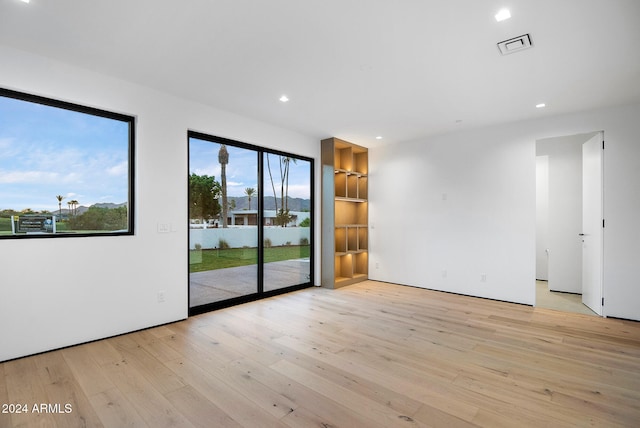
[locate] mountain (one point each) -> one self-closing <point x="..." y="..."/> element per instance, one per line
<point x="109" y="205"/>
<point x="82" y="209"/>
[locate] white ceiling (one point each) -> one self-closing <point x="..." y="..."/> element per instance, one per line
<point x="354" y="69"/>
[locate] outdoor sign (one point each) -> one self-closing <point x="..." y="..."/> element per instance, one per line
<point x="33" y="224"/>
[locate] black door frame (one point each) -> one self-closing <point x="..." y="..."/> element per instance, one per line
<point x="260" y="293"/>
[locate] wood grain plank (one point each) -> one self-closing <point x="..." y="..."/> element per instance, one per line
<point x="65" y="397"/>
<point x="200" y="411"/>
<point x="223" y="396"/>
<point x="367" y="408"/>
<point x="148" y="402"/>
<point x="115" y="410"/>
<point x="86" y="370"/>
<point x="25" y="388"/>
<point x="326" y="412"/>
<point x="5" y="417"/>
<point x="370" y="354"/>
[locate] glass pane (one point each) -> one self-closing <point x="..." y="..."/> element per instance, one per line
<point x="223" y="232"/>
<point x="287" y="221"/>
<point x="64" y="169"/>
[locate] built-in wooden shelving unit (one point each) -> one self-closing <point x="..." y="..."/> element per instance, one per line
<point x="345" y="215"/>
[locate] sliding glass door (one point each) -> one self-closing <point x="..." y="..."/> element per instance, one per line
<point x="287" y="221"/>
<point x="250" y="222"/>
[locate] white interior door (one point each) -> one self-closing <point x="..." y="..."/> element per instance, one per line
<point x="592" y="223"/>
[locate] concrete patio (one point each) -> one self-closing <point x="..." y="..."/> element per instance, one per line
<point x="222" y="284"/>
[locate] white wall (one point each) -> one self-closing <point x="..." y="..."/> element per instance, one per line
<point x="542" y="218"/>
<point x="564" y="210"/>
<point x="486" y="225"/>
<point x="455" y="213"/>
<point x="246" y="236"/>
<point x="58" y="292"/>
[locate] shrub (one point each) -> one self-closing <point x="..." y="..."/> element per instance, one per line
<point x="304" y="241"/>
<point x="305" y="223"/>
<point x="222" y="244"/>
<point x="267" y="243"/>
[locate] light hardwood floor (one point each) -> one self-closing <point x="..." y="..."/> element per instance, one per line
<point x="367" y="355"/>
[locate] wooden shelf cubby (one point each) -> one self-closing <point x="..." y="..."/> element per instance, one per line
<point x="345" y="215"/>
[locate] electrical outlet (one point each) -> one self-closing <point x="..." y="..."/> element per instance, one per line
<point x="161" y="296"/>
<point x="444" y="273"/>
<point x="377" y="265"/>
<point x="483" y="277"/>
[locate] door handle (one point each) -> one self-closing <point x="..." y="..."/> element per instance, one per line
<point x="581" y="234"/>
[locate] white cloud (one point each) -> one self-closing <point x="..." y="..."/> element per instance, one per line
<point x="71" y="177"/>
<point x="299" y="191"/>
<point x="119" y="170"/>
<point x="8" y="177"/>
<point x="5" y="143"/>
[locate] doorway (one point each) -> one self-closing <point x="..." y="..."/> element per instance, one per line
<point x="250" y="222"/>
<point x="568" y="198"/>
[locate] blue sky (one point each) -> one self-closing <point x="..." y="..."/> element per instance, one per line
<point x="47" y="151"/>
<point x="242" y="169"/>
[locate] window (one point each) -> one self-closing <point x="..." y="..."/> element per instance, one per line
<point x="65" y="169"/>
<point x="250" y="222"/>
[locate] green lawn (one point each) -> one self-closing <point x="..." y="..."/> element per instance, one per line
<point x="5" y="225"/>
<point x="232" y="257"/>
<point x="61" y="227"/>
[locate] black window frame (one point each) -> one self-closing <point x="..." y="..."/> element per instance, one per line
<point x="79" y="108"/>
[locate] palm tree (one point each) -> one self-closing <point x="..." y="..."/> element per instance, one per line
<point x="284" y="217"/>
<point x="223" y="158"/>
<point x="282" y="214"/>
<point x="74" y="206"/>
<point x="287" y="161"/>
<point x="249" y="191"/>
<point x="59" y="198"/>
<point x="275" y="198"/>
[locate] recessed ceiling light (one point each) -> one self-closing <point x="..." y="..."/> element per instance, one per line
<point x="284" y="98"/>
<point x="541" y="105"/>
<point x="379" y="137"/>
<point x="502" y="15"/>
<point x="25" y="1"/>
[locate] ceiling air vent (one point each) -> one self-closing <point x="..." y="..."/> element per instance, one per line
<point x="515" y="45"/>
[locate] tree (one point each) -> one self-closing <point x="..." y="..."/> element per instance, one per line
<point x="249" y="191"/>
<point x="286" y="161"/>
<point x="204" y="192"/>
<point x="74" y="206"/>
<point x="59" y="198"/>
<point x="283" y="216"/>
<point x="96" y="218"/>
<point x="273" y="187"/>
<point x="223" y="158"/>
<point x="305" y="223"/>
